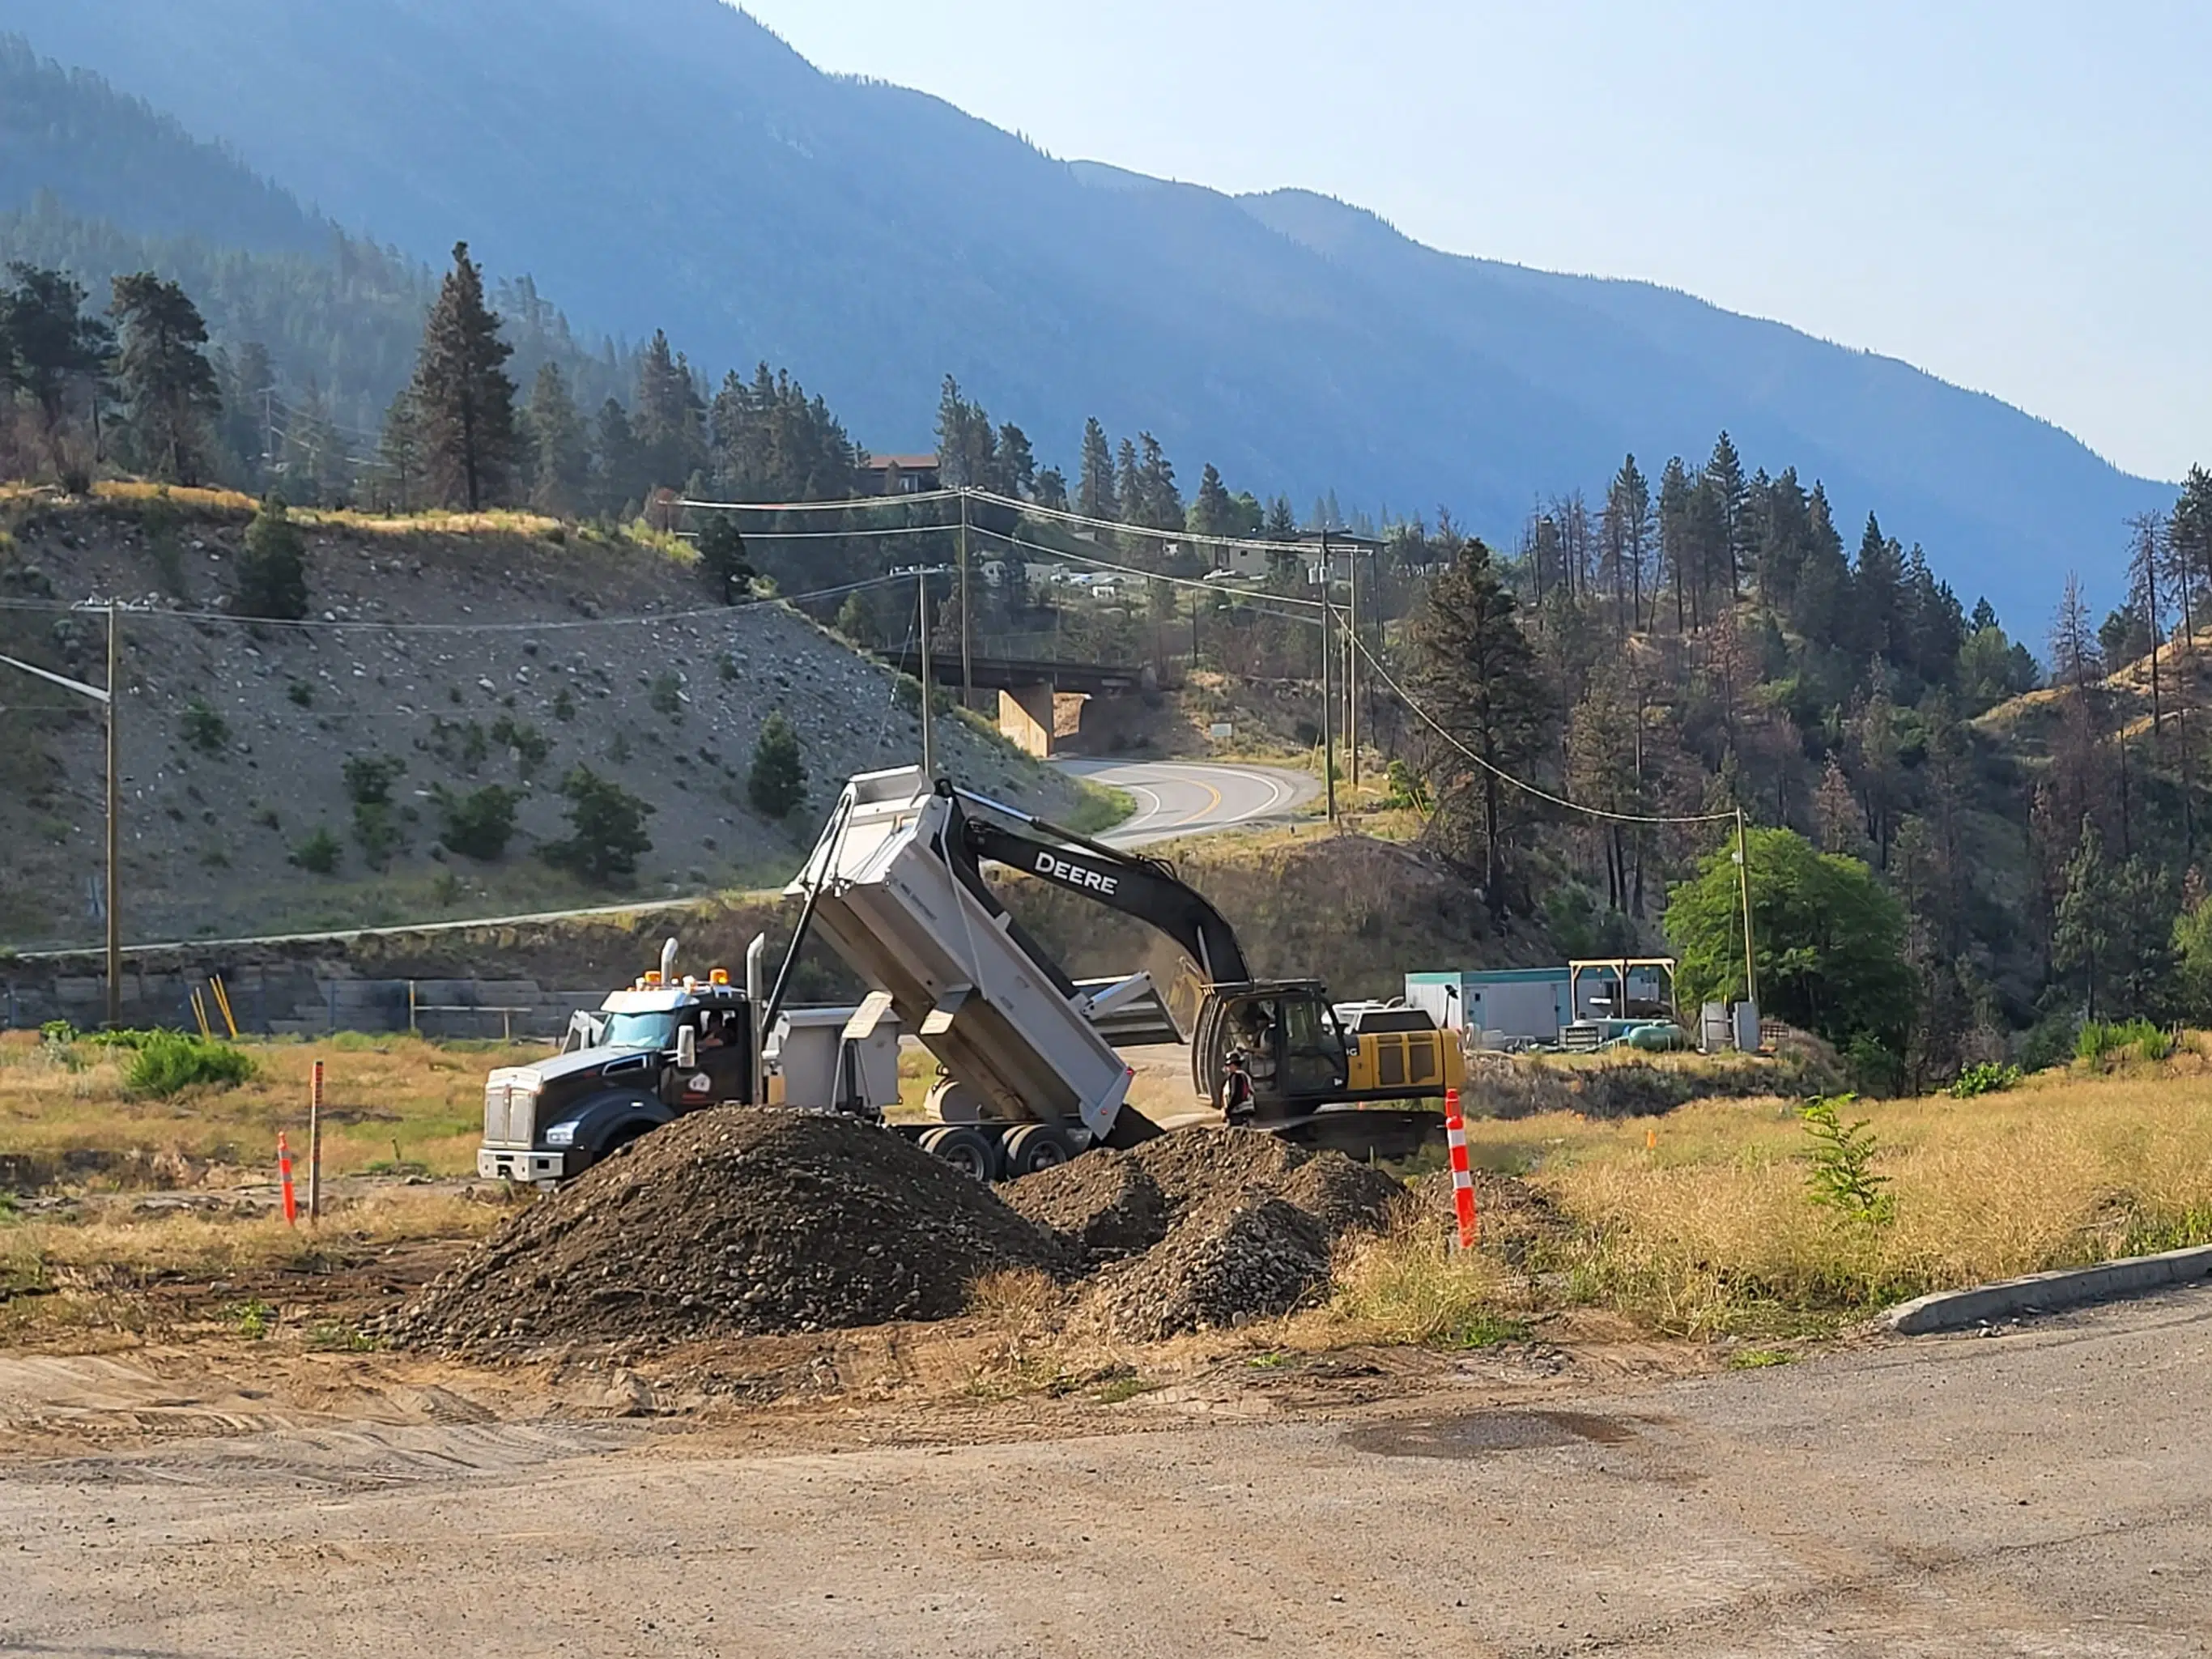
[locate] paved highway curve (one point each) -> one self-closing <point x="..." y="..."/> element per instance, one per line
<point x="1193" y="797"/>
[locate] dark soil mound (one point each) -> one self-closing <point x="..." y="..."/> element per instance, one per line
<point x="735" y="1222"/>
<point x="1207" y="1227"/>
<point x="1103" y="1206"/>
<point x="1235" y="1257"/>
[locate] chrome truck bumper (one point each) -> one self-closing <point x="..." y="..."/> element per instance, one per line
<point x="521" y="1163"/>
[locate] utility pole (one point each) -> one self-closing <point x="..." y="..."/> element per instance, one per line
<point x="1351" y="680"/>
<point x="928" y="749"/>
<point x="114" y="905"/>
<point x="1743" y="887"/>
<point x="1327" y="691"/>
<point x="967" y="659"/>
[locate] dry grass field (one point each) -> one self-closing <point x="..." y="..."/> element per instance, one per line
<point x="1700" y="1223"/>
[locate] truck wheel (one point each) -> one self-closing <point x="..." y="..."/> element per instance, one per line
<point x="1035" y="1147"/>
<point x="971" y="1150"/>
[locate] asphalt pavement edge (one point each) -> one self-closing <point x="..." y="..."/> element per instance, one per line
<point x="2008" y="1298"/>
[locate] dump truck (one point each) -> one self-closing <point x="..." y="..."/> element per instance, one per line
<point x="897" y="886"/>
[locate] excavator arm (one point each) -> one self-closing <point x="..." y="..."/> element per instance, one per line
<point x="1147" y="889"/>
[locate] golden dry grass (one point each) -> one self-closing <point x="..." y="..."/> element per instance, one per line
<point x="386" y="1098"/>
<point x="1701" y="1222"/>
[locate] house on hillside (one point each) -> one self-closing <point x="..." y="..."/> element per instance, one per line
<point x="900" y="475"/>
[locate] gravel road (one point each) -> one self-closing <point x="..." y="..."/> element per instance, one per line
<point x="2045" y="1491"/>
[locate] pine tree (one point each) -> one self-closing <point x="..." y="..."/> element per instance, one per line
<point x="615" y="487"/>
<point x="1628" y="530"/>
<point x="169" y="388"/>
<point x="2147" y="565"/>
<point x="1159" y="503"/>
<point x="465" y="401"/>
<point x="399" y="454"/>
<point x="2076" y="660"/>
<point x="1095" y="493"/>
<point x="1877" y="597"/>
<point x="1051" y="489"/>
<point x="1479" y="680"/>
<point x="1128" y="483"/>
<point x="1213" y="511"/>
<point x="58" y="351"/>
<point x="1731" y="498"/>
<point x="776" y="785"/>
<point x="272" y="575"/>
<point x="666" y="418"/>
<point x="561" y="467"/>
<point x="1675" y="538"/>
<point x="967" y="448"/>
<point x="1017" y="464"/>
<point x="722" y="563"/>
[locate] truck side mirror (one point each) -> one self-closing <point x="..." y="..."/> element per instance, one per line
<point x="687" y="1048"/>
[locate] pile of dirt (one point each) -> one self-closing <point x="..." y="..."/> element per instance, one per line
<point x="1202" y="1227"/>
<point x="735" y="1222"/>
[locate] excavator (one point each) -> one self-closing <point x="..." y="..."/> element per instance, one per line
<point x="897" y="884"/>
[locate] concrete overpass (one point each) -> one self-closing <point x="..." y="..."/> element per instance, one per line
<point x="1034" y="692"/>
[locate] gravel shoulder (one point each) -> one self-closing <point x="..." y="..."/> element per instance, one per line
<point x="2045" y="1489"/>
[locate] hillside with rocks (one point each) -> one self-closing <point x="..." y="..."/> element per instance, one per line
<point x="436" y="662"/>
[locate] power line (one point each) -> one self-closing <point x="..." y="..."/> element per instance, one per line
<point x="1438" y="726"/>
<point x="850" y="504"/>
<point x="1204" y="540"/>
<point x="1219" y="590"/>
<point x="728" y="613"/>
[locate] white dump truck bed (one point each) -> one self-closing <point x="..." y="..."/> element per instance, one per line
<point x="895" y="903"/>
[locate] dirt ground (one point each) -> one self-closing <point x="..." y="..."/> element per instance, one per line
<point x="2041" y="1491"/>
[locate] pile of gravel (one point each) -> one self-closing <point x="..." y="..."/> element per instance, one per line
<point x="1202" y="1227"/>
<point x="735" y="1222"/>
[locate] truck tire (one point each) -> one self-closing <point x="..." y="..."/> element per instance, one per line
<point x="1035" y="1147"/>
<point x="970" y="1149"/>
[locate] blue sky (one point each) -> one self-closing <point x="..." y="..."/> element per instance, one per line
<point x="2016" y="197"/>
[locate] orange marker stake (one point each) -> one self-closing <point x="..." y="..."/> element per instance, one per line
<point x="1470" y="1224"/>
<point x="284" y="1174"/>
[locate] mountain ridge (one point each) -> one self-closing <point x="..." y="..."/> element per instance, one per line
<point x="672" y="162"/>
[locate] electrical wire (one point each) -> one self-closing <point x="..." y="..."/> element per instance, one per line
<point x="1218" y="589"/>
<point x="1526" y="788"/>
<point x="1061" y="514"/>
<point x="851" y="504"/>
<point x="306" y="624"/>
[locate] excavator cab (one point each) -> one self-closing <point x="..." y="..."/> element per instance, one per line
<point x="1301" y="1057"/>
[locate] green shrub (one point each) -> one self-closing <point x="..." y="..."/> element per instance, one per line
<point x="369" y="778"/>
<point x="1989" y="1077"/>
<point x="318" y="854"/>
<point x="203" y="728"/>
<point x="478" y="825"/>
<point x="302" y="692"/>
<point x="2098" y="1040"/>
<point x="1842" y="1174"/>
<point x="607" y="828"/>
<point x="530" y="745"/>
<point x="169" y="1062"/>
<point x="667" y="695"/>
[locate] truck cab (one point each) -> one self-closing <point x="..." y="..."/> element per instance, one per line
<point x="648" y="1055"/>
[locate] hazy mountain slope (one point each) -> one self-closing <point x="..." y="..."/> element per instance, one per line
<point x="112" y="157"/>
<point x="670" y="162"/>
